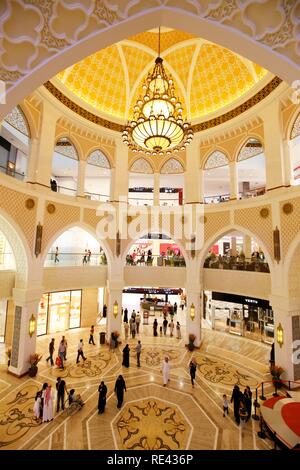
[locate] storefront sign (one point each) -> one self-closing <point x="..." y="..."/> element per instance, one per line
<point x="239" y="299"/>
<point x="141" y="290"/>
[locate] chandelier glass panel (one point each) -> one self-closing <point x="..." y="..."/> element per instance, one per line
<point x="158" y="127"/>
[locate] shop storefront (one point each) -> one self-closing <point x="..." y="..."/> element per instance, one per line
<point x="239" y="315"/>
<point x="3" y="314"/>
<point x="59" y="311"/>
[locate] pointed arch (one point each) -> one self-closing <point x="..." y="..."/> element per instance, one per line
<point x="98" y="158"/>
<point x="251" y="147"/>
<point x="87" y="228"/>
<point x="216" y="159"/>
<point x="141" y="165"/>
<point x="235" y="228"/>
<point x="172" y="166"/>
<point x="65" y="146"/>
<point x="17" y="119"/>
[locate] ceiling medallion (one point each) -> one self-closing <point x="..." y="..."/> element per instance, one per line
<point x="264" y="213"/>
<point x="157" y="126"/>
<point x="51" y="208"/>
<point x="29" y="203"/>
<point x="288" y="208"/>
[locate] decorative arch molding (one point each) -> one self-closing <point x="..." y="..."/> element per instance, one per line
<point x="243" y="152"/>
<point x="17" y="118"/>
<point x="98" y="158"/>
<point x="291" y="262"/>
<point x="216" y="159"/>
<point x="19" y="247"/>
<point x="295" y="128"/>
<point x="225" y="231"/>
<point x="141" y="165"/>
<point x="66" y="150"/>
<point x="172" y="166"/>
<point x="87" y="228"/>
<point x="242" y="27"/>
<point x="164" y="232"/>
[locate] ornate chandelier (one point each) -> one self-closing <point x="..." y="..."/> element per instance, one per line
<point x="157" y="127"/>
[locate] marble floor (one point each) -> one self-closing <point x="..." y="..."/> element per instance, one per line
<point x="154" y="417"/>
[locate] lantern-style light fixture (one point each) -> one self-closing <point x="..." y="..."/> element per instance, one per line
<point x="115" y="309"/>
<point x="32" y="325"/>
<point x="158" y="126"/>
<point x="279" y="332"/>
<point x="192" y="311"/>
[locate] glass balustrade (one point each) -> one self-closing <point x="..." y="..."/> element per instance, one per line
<point x="237" y="263"/>
<point x="155" y="260"/>
<point x="75" y="259"/>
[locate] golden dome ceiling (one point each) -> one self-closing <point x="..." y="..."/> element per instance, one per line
<point x="207" y="77"/>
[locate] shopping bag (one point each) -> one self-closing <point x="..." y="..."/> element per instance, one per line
<point x="58" y="361"/>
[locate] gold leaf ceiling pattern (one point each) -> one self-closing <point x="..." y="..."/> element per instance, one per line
<point x="110" y="80"/>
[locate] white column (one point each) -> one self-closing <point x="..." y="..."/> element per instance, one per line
<point x="234" y="185"/>
<point x="288" y="162"/>
<point x="193" y="176"/>
<point x="287" y="314"/>
<point x="81" y="177"/>
<point x="114" y="323"/>
<point x="119" y="183"/>
<point x="193" y="296"/>
<point x="112" y="184"/>
<point x="42" y="150"/>
<point x="156" y="188"/>
<point x="247" y="246"/>
<point x="273" y="146"/>
<point x="233" y="246"/>
<point x="23" y="345"/>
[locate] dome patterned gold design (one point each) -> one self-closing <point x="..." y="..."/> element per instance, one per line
<point x="109" y="79"/>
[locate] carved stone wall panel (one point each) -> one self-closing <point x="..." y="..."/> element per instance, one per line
<point x="290" y="224"/>
<point x="64" y="216"/>
<point x="261" y="227"/>
<point x="14" y="203"/>
<point x="16" y="336"/>
<point x="215" y="222"/>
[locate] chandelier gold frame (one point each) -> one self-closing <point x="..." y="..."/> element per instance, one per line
<point x="157" y="127"/>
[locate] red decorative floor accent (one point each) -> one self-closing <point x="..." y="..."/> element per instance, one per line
<point x="291" y="415"/>
<point x="271" y="401"/>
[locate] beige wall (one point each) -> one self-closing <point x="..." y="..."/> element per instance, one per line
<point x="89" y="307"/>
<point x="74" y="277"/>
<point x="7" y="282"/>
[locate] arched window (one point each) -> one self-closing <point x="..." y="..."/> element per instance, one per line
<point x="216" y="178"/>
<point x="141" y="183"/>
<point x="171" y="183"/>
<point x="295" y="149"/>
<point x="97" y="176"/>
<point x="155" y="249"/>
<point x="251" y="169"/>
<point x="14" y="144"/>
<point x="65" y="167"/>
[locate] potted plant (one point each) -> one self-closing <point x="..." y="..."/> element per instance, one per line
<point x="276" y="372"/>
<point x="191" y="345"/>
<point x="34" y="360"/>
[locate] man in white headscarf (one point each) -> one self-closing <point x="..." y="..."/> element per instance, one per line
<point x="166" y="370"/>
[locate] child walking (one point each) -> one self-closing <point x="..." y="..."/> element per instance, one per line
<point x="225" y="405"/>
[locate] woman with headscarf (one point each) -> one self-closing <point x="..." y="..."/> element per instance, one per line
<point x="193" y="368"/>
<point x="126" y="352"/>
<point x="102" y="397"/>
<point x="120" y="386"/>
<point x="166" y="370"/>
<point x="48" y="405"/>
<point x="155" y="325"/>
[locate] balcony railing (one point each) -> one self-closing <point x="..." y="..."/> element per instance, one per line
<point x="96" y="197"/>
<point x="237" y="263"/>
<point x="226" y="197"/>
<point x="13" y="173"/>
<point x="75" y="259"/>
<point x="155" y="260"/>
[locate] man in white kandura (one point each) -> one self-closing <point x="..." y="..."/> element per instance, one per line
<point x="166" y="370"/>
